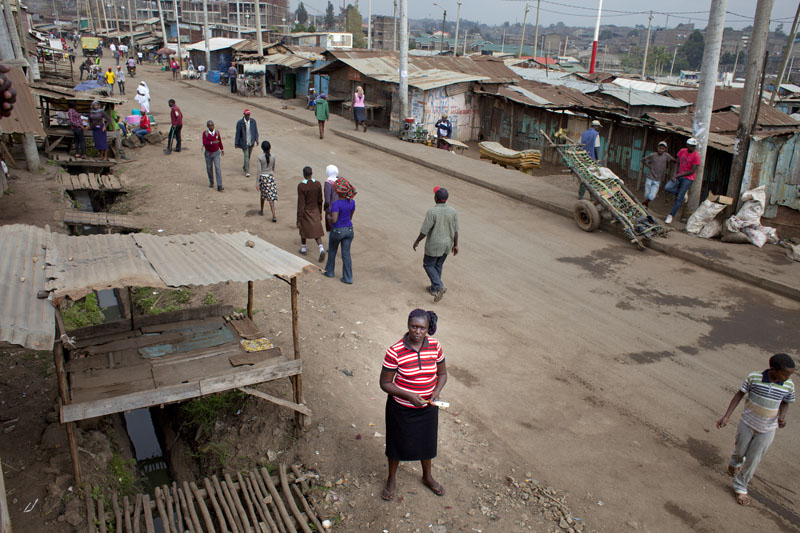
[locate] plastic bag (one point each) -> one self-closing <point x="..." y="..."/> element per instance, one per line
<point x="756" y="237"/>
<point x="745" y="225"/>
<point x="711" y="230"/>
<point x="703" y="215"/>
<point x="753" y="204"/>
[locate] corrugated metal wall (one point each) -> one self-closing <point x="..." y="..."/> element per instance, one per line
<point x="775" y="162"/>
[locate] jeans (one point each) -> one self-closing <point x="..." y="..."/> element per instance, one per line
<point x="141" y="132"/>
<point x="343" y="236"/>
<point x="650" y="189"/>
<point x="121" y="87"/>
<point x="80" y="141"/>
<point x="433" y="267"/>
<point x="246" y="151"/>
<point x="213" y="162"/>
<point x="233" y="85"/>
<point x="174" y="133"/>
<point x="747" y="453"/>
<point x="683" y="185"/>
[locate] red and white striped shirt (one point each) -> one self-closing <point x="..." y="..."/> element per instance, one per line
<point x="415" y="371"/>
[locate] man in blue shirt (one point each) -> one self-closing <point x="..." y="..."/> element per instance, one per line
<point x="590" y="141"/>
<point x="444" y="129"/>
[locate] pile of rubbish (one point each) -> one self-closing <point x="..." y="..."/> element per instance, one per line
<point x="743" y="227"/>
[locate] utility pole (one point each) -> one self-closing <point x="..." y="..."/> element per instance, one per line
<point x="536" y="31"/>
<point x="503" y="43"/>
<point x="705" y="94"/>
<point x="78" y="14"/>
<point x="130" y="25"/>
<point x="786" y="54"/>
<point x="99" y="13"/>
<point x="116" y="16"/>
<point x="403" y="89"/>
<point x="444" y="21"/>
<point x="466" y="36"/>
<point x="755" y="57"/>
<point x="208" y="35"/>
<point x="522" y="38"/>
<point x="178" y="32"/>
<point x="394" y="20"/>
<point x="10" y="48"/>
<point x="566" y="40"/>
<point x="369" y="25"/>
<point x="258" y="29"/>
<point x="596" y="36"/>
<point x="458" y="20"/>
<point x="238" y="19"/>
<point x="105" y="17"/>
<point x="674" y="55"/>
<point x="163" y="27"/>
<point x="647" y="45"/>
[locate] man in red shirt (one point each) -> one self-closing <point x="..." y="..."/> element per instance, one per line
<point x="176" y="120"/>
<point x="212" y="149"/>
<point x="681" y="182"/>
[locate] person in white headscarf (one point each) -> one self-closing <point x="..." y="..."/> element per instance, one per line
<point x="330" y="196"/>
<point x="143" y="96"/>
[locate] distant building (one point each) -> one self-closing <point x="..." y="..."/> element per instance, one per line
<point x="383" y="33"/>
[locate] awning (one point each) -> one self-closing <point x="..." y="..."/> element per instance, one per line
<point x="24" y="117"/>
<point x="72" y="267"/>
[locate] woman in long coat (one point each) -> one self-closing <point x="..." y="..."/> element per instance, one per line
<point x="309" y="212"/>
<point x="99" y="121"/>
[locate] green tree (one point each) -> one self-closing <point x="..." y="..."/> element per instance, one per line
<point x="691" y="51"/>
<point x="353" y="25"/>
<point x="311" y="28"/>
<point x="300" y="14"/>
<point x="299" y="28"/>
<point x="330" y="18"/>
<point x="606" y="35"/>
<point x="728" y="58"/>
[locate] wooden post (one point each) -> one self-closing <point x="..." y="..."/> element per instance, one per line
<point x="130" y="302"/>
<point x="297" y="380"/>
<point x="250" y="300"/>
<point x="5" y="520"/>
<point x="58" y="355"/>
<point x="608" y="143"/>
<point x="641" y="163"/>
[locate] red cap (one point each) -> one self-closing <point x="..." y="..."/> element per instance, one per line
<point x="436" y="189"/>
<point x="246" y="111"/>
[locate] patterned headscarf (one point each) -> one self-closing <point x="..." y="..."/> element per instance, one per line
<point x="430" y="315"/>
<point x="344" y="188"/>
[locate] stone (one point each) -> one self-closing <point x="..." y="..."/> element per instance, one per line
<point x="563" y="524"/>
<point x="439" y="529"/>
<point x="73" y="518"/>
<point x="633" y="524"/>
<point x="154" y="137"/>
<point x="250" y="244"/>
<point x="53" y="437"/>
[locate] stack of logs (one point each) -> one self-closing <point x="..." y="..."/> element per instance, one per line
<point x="253" y="502"/>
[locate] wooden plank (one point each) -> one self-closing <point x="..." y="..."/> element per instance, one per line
<point x="107" y="377"/>
<point x="150" y="320"/>
<point x="89" y="508"/>
<point x="246" y="328"/>
<point x="159" y="328"/>
<point x="84" y="181"/>
<point x="75" y="182"/>
<point x="179" y="359"/>
<point x="178" y="515"/>
<point x="170" y="511"/>
<point x="117" y="512"/>
<point x="309" y="512"/>
<point x="102" y="339"/>
<point x="285" y="403"/>
<point x="95" y="182"/>
<point x="287" y="493"/>
<point x="185" y="509"/>
<point x="259" y="505"/>
<point x="251" y="358"/>
<point x="101" y="515"/>
<point x="202" y="506"/>
<point x="215" y="504"/>
<point x="90" y="394"/>
<point x="114" y="182"/>
<point x="135" y="343"/>
<point x="148" y="514"/>
<point x="137" y="523"/>
<point x="127" y="510"/>
<point x="257" y="374"/>
<point x="275" y="518"/>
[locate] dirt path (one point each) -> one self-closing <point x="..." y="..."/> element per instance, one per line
<point x="574" y="359"/>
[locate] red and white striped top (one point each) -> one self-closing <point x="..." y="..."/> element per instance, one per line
<point x="415" y="372"/>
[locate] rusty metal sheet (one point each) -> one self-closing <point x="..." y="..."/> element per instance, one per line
<point x="24" y="117"/>
<point x="25" y="320"/>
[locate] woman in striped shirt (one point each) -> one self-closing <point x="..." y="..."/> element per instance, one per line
<point x="413" y="375"/>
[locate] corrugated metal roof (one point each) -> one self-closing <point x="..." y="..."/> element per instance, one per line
<point x="24" y="118"/>
<point x="533" y="97"/>
<point x="55" y="92"/>
<point x="540" y="74"/>
<point x="642" y="98"/>
<point x="639" y="85"/>
<point x="722" y="97"/>
<point x="75" y="266"/>
<point x="286" y="60"/>
<point x="728" y="121"/>
<point x="25" y="320"/>
<point x="214" y="44"/>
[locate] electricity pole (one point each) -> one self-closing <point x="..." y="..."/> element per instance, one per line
<point x="786" y="54"/>
<point x="163" y="27"/>
<point x="750" y="95"/>
<point x="403" y="89"/>
<point x="116" y="16"/>
<point x="444" y="21"/>
<point x="130" y="24"/>
<point x="522" y="38"/>
<point x="208" y="34"/>
<point x="258" y="29"/>
<point x="178" y="32"/>
<point x="705" y="94"/>
<point x="596" y="36"/>
<point x="647" y="45"/>
<point x="394" y="17"/>
<point x="238" y="20"/>
<point x="458" y="20"/>
<point x="369" y="25"/>
<point x="536" y="32"/>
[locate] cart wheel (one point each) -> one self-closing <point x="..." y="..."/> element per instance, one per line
<point x="586" y="215"/>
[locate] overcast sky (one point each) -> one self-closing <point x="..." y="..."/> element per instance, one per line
<point x="575" y="12"/>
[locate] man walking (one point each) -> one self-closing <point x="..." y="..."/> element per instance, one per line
<point x="232" y="73"/>
<point x="440" y="231"/>
<point x="590" y="141"/>
<point x="111" y="78"/>
<point x="176" y="124"/>
<point x="656" y="171"/>
<point x="322" y="113"/>
<point x="246" y="137"/>
<point x="212" y="149"/>
<point x="681" y="182"/>
<point x="120" y="80"/>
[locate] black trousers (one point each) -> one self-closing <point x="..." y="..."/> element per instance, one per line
<point x="79" y="141"/>
<point x="174" y="133"/>
<point x="233" y="85"/>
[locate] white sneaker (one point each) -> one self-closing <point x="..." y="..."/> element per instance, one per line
<point x="247" y="175"/>
<point x="668" y="220"/>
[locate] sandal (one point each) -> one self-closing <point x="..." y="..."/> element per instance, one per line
<point x="436" y="489"/>
<point x="387" y="495"/>
<point x="742" y="499"/>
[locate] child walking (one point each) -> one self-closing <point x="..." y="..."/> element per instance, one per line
<point x="769" y="394"/>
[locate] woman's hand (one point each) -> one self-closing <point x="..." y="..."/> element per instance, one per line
<point x="417" y="400"/>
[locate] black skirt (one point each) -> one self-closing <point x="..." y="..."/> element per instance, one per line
<point x="411" y="434"/>
<point x="359" y="114"/>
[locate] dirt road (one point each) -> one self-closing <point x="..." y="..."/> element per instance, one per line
<point x="599" y="369"/>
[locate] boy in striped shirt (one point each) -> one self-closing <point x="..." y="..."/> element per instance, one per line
<point x="769" y="394"/>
